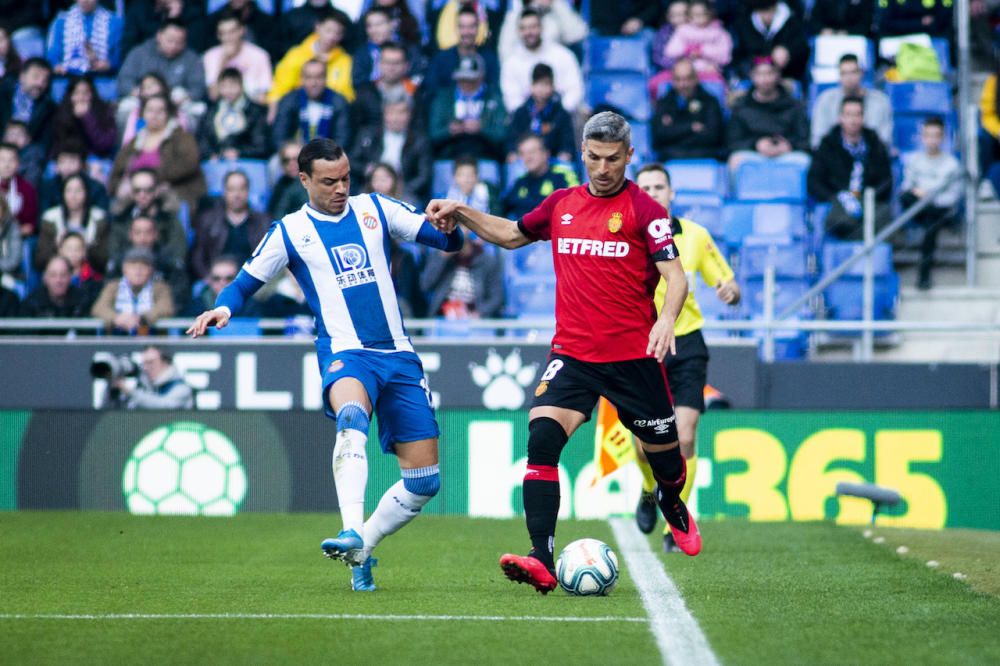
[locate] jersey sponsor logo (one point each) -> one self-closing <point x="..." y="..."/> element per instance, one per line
<point x="567" y="218"/>
<point x="659" y="229"/>
<point x="352" y="266"/>
<point x="335" y="366"/>
<point x="593" y="248"/>
<point x="615" y="223"/>
<point x="659" y="426"/>
<point x="369" y="220"/>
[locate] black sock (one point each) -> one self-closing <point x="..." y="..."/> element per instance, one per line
<point x="541" y="509"/>
<point x="669" y="471"/>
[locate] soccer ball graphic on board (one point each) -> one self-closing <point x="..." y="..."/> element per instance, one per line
<point x="184" y="468"/>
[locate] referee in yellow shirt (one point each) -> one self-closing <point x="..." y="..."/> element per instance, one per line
<point x="688" y="368"/>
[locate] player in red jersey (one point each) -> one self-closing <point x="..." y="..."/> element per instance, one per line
<point x="611" y="244"/>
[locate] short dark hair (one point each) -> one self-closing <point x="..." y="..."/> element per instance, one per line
<point x="229" y="14"/>
<point x="141" y="216"/>
<point x="165" y="356"/>
<point x="172" y="23"/>
<point x="147" y="171"/>
<point x="331" y="14"/>
<point x="757" y="5"/>
<point x="530" y="11"/>
<point x="376" y="9"/>
<point x="74" y="147"/>
<point x="9" y="146"/>
<point x="318" y="149"/>
<point x="394" y="46"/>
<point x="235" y="172"/>
<point x="169" y="103"/>
<point x="653" y="167"/>
<point x="466" y="160"/>
<point x="231" y="73"/>
<point x="849" y="57"/>
<point x="531" y="136"/>
<point x="36" y="61"/>
<point x="542" y="72"/>
<point x="934" y="121"/>
<point x="852" y="99"/>
<point x="467" y="10"/>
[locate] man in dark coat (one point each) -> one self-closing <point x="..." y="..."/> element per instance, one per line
<point x="687" y="121"/>
<point x="231" y="228"/>
<point x="771" y="30"/>
<point x="400" y="143"/>
<point x="312" y="111"/>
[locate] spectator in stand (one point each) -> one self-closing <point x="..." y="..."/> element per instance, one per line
<point x="384" y="180"/>
<point x="906" y="17"/>
<point x="85" y="38"/>
<point x="234" y="127"/>
<point x="625" y="17"/>
<point x="136" y="301"/>
<point x="767" y="122"/>
<point x="539" y="180"/>
<point x="850" y="159"/>
<point x="145" y="195"/>
<point x="467" y="284"/>
<point x="28" y="101"/>
<point x="130" y="120"/>
<point x="10" y="60"/>
<point x="443" y="24"/>
<point x="703" y="41"/>
<point x="400" y="143"/>
<point x="515" y="70"/>
<point x="467" y="188"/>
<point x="83" y="116"/>
<point x="312" y="111"/>
<point x="167" y="266"/>
<point x="561" y="24"/>
<point x="70" y="161"/>
<point x="444" y="63"/>
<point x="85" y="277"/>
<point x="145" y="18"/>
<point x="258" y="29"/>
<point x="677" y="15"/>
<point x="229" y="227"/>
<point x="74" y="213"/>
<point x="288" y="194"/>
<point x="393" y="82"/>
<point x="924" y="172"/>
<point x="234" y="51"/>
<point x="11" y="245"/>
<point x="299" y="23"/>
<point x="167" y="55"/>
<point x="166" y="148"/>
<point x="22" y="199"/>
<point x="56" y="297"/>
<point x="324" y="46"/>
<point x="221" y="274"/>
<point x="851" y="17"/>
<point x="687" y="121"/>
<point x="32" y="161"/>
<point x="771" y="30"/>
<point x="826" y="108"/>
<point x="380" y="30"/>
<point x="470" y="117"/>
<point x="544" y="115"/>
<point x="406" y="28"/>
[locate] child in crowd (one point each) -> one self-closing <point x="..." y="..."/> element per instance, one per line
<point x="703" y="40"/>
<point x="677" y="15"/>
<point x="467" y="188"/>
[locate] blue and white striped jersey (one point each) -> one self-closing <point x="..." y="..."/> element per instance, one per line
<point x="342" y="264"/>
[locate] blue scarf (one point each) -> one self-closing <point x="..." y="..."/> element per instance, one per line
<point x="76" y="40"/>
<point x="540" y="116"/>
<point x="857" y="152"/>
<point x="23" y="105"/>
<point x="469" y="107"/>
<point x="307" y="131"/>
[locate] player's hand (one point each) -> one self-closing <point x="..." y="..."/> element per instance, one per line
<point x="661" y="339"/>
<point x="218" y="318"/>
<point x="727" y="292"/>
<point x="440" y="213"/>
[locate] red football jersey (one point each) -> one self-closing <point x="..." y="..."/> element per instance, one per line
<point x="605" y="251"/>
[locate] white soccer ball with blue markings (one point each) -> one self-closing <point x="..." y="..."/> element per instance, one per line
<point x="587" y="567"/>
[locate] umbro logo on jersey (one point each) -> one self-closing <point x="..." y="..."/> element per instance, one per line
<point x="567" y="218"/>
<point x="593" y="248"/>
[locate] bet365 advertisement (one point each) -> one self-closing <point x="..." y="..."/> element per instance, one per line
<point x="756" y="465"/>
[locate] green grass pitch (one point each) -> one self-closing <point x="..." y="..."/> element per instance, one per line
<point x="763" y="593"/>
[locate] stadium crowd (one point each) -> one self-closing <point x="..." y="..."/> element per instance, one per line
<point x="148" y="144"/>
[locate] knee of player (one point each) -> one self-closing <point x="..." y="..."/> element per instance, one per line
<point x="353" y="416"/>
<point x="546" y="439"/>
<point x="424" y="481"/>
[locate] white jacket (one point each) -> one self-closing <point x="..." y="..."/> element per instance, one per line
<point x="515" y="74"/>
<point x="561" y="24"/>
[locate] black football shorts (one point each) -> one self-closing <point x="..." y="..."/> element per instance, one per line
<point x="687" y="371"/>
<point x="637" y="388"/>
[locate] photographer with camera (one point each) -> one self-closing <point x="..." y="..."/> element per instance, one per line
<point x="158" y="385"/>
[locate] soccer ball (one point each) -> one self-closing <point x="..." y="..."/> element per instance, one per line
<point x="587" y="567"/>
<point x="184" y="468"/>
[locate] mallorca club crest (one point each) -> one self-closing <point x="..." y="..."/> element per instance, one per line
<point x="369" y="220"/>
<point x="615" y="223"/>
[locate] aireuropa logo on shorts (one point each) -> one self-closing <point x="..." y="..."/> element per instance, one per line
<point x="659" y="426"/>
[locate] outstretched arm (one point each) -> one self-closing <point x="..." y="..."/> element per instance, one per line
<point x="445" y="214"/>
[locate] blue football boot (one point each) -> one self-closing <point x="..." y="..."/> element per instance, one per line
<point x="347" y="546"/>
<point x="361" y="576"/>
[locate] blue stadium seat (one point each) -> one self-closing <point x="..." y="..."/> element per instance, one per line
<point x="920" y="97"/>
<point x="787" y="256"/>
<point x="742" y="219"/>
<point x="786" y="292"/>
<point x="106" y="87"/>
<point x="532" y="259"/>
<point x="703" y="208"/>
<point x="641" y="142"/>
<point x="837" y="252"/>
<point x="625" y="91"/>
<point x="816" y="89"/>
<point x="844" y="298"/>
<point x="698" y="176"/>
<point x="531" y="296"/>
<point x="29" y="44"/>
<point x="943" y="49"/>
<point x="489" y="172"/>
<point x="770" y="181"/>
<point x="906" y="131"/>
<point x="256" y="171"/>
<point x="616" y="53"/>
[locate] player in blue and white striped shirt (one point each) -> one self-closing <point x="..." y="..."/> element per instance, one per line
<point x="337" y="247"/>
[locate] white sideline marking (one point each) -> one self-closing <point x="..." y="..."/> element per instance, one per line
<point x="310" y="616"/>
<point x="677" y="633"/>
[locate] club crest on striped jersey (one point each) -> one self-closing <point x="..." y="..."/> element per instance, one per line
<point x="352" y="265"/>
<point x="369" y="220"/>
<point x="615" y="223"/>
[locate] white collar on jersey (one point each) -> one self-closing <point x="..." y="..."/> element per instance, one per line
<point x="323" y="217"/>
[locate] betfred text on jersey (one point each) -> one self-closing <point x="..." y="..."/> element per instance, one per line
<point x="594" y="248"/>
